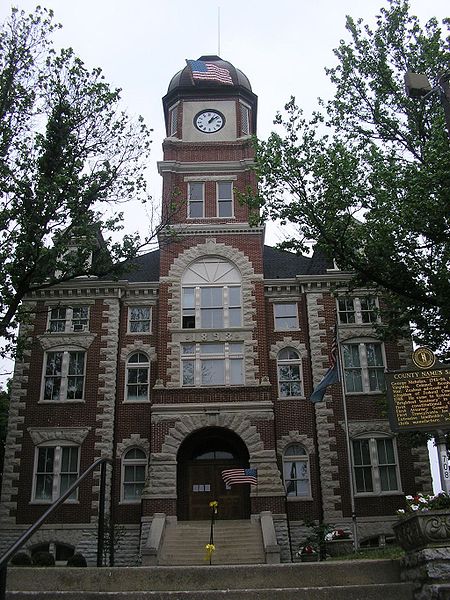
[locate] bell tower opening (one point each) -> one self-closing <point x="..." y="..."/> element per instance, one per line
<point x="201" y="459"/>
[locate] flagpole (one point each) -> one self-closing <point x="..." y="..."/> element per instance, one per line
<point x="347" y="439"/>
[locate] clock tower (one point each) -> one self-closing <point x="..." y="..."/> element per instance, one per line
<point x="212" y="391"/>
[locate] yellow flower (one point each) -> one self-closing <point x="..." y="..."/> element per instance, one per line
<point x="209" y="550"/>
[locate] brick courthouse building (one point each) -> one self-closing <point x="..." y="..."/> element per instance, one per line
<point x="203" y="358"/>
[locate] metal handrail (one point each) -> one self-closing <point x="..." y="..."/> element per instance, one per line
<point x="37" y="524"/>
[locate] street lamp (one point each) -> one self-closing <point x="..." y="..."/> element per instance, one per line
<point x="418" y="86"/>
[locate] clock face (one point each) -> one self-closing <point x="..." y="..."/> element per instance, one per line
<point x="209" y="121"/>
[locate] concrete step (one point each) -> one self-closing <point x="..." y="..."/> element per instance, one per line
<point x="236" y="542"/>
<point x="388" y="591"/>
<point x="206" y="578"/>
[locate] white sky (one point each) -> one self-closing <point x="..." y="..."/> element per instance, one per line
<point x="281" y="46"/>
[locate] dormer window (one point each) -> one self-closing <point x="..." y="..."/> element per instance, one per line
<point x="66" y="319"/>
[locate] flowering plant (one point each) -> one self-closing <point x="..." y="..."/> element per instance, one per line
<point x="307" y="549"/>
<point x="424" y="502"/>
<point x="337" y="534"/>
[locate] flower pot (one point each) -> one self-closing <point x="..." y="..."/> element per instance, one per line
<point x="424" y="529"/>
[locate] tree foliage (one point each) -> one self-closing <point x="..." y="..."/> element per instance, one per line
<point x="67" y="151"/>
<point x="368" y="176"/>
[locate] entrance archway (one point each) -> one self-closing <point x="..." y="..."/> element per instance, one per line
<point x="201" y="459"/>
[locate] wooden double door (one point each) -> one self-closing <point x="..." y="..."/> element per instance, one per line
<point x="201" y="459"/>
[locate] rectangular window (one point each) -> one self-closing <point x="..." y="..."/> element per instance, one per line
<point x="196" y="200"/>
<point x="56" y="469"/>
<point x="375" y="465"/>
<point x="211" y="307"/>
<point x="359" y="311"/>
<point x="363" y="367"/>
<point x="65" y="319"/>
<point x="224" y="199"/>
<point x="211" y="364"/>
<point x="64" y="376"/>
<point x="139" y="319"/>
<point x="245" y="119"/>
<point x="285" y="316"/>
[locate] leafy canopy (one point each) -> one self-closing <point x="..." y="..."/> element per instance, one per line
<point x="368" y="176"/>
<point x="67" y="151"/>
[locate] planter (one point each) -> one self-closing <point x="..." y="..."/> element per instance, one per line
<point x="340" y="547"/>
<point x="424" y="529"/>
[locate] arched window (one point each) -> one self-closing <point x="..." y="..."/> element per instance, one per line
<point x="289" y="373"/>
<point x="296" y="471"/>
<point x="134" y="472"/>
<point x="211" y="295"/>
<point x="137" y="385"/>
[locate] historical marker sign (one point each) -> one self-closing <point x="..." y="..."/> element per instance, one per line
<point x="419" y="399"/>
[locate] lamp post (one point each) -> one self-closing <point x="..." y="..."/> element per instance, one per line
<point x="418" y="86"/>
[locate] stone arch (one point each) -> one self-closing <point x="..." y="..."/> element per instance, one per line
<point x="163" y="465"/>
<point x="294" y="437"/>
<point x="288" y="342"/>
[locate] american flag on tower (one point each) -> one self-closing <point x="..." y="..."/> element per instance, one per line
<point x="202" y="70"/>
<point x="235" y="476"/>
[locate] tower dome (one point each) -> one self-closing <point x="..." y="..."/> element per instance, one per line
<point x="184" y="79"/>
<point x="184" y="85"/>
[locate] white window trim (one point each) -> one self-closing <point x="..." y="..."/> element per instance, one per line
<point x="58" y="445"/>
<point x="134" y="461"/>
<point x="298" y="458"/>
<point x="363" y="364"/>
<point x="137" y="366"/>
<point x="64" y="376"/>
<point x="284" y="361"/>
<point x="376" y="480"/>
<point x="296" y="328"/>
<point x="129" y="309"/>
<point x="358" y="311"/>
<point x="197" y="357"/>
<point x="231" y="199"/>
<point x="68" y="325"/>
<point x="172" y="131"/>
<point x="195" y="201"/>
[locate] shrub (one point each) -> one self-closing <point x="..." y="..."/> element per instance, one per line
<point x="43" y="559"/>
<point x="21" y="559"/>
<point x="77" y="560"/>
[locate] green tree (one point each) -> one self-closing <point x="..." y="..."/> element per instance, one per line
<point x="67" y="153"/>
<point x="368" y="176"/>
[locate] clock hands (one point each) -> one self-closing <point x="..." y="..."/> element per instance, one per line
<point x="212" y="118"/>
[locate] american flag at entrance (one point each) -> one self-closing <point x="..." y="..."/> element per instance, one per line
<point x="208" y="71"/>
<point x="235" y="476"/>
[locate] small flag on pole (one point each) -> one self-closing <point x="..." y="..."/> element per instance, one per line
<point x="331" y="376"/>
<point x="209" y="71"/>
<point x="235" y="476"/>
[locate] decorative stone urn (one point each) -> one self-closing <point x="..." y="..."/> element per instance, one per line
<point x="424" y="529"/>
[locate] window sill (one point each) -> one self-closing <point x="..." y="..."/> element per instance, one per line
<point x="130" y="502"/>
<point x="282" y="398"/>
<point x="62" y="402"/>
<point x="49" y="502"/>
<point x="368" y="393"/>
<point x="378" y="494"/>
<point x="139" y="333"/>
<point x="287" y="330"/>
<point x="300" y="498"/>
<point x="136" y="402"/>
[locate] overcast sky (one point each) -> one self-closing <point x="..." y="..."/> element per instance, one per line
<point x="282" y="46"/>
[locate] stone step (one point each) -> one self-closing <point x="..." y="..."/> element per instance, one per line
<point x="389" y="591"/>
<point x="236" y="542"/>
<point x="207" y="578"/>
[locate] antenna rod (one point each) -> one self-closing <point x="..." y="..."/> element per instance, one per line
<point x="218" y="30"/>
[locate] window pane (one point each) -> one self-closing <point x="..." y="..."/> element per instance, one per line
<point x="54" y="363"/>
<point x="45" y="460"/>
<point x="234" y="296"/>
<point x="212" y="318"/>
<point x="135" y="453"/>
<point x="374" y="355"/>
<point x="211" y="297"/>
<point x="195" y="209"/>
<point x="212" y="349"/>
<point x="236" y="371"/>
<point x="188" y="297"/>
<point x="213" y="371"/>
<point x="346" y="310"/>
<point x="351" y="355"/>
<point x="188" y="372"/>
<point x="234" y="315"/>
<point x="224" y="190"/>
<point x="44" y="487"/>
<point x="196" y="191"/>
<point x="225" y="209"/>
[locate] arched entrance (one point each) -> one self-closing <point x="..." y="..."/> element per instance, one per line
<point x="201" y="459"/>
